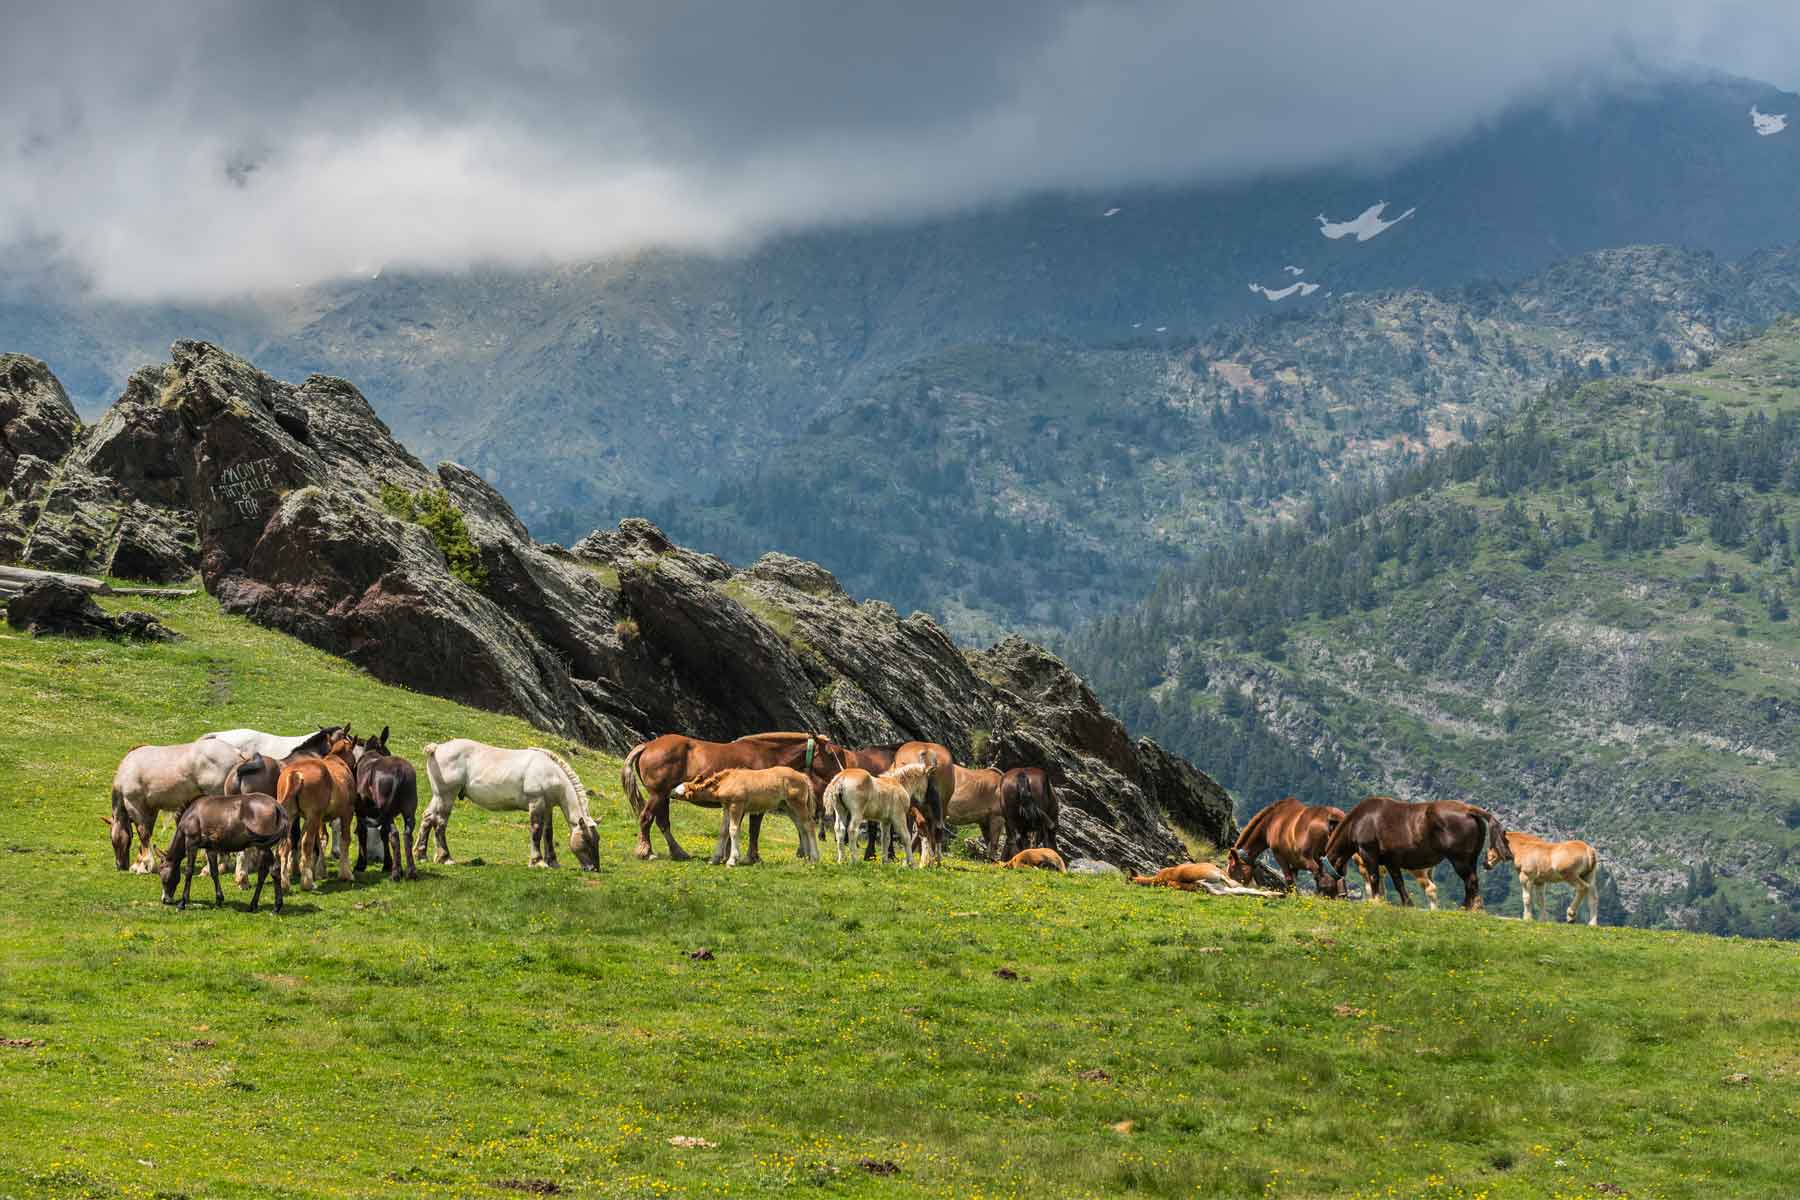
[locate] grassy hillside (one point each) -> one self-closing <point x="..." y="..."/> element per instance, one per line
<point x="1581" y="620"/>
<point x="492" y="1028"/>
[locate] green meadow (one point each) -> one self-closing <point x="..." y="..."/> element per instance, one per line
<point x="493" y="1030"/>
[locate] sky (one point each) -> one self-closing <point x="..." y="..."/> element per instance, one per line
<point x="200" y="149"/>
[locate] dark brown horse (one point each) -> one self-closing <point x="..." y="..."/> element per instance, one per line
<point x="655" y="768"/>
<point x="218" y="824"/>
<point x="1295" y="834"/>
<point x="1029" y="804"/>
<point x="1384" y="832"/>
<point x="387" y="789"/>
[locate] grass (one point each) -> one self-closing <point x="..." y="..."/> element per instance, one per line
<point x="492" y="1024"/>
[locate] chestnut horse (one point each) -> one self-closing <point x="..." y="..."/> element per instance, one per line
<point x="1295" y="834"/>
<point x="1384" y="832"/>
<point x="1198" y="877"/>
<point x="1541" y="863"/>
<point x="1041" y="857"/>
<point x="1030" y="807"/>
<point x="976" y="801"/>
<point x="654" y="769"/>
<point x="317" y="792"/>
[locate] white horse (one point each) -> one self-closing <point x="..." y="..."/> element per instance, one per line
<point x="158" y="779"/>
<point x="855" y="796"/>
<point x="277" y="747"/>
<point x="501" y="780"/>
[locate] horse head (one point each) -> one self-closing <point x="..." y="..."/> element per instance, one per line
<point x="584" y="844"/>
<point x="1238" y="869"/>
<point x="120" y="829"/>
<point x="1493" y="857"/>
<point x="169" y="872"/>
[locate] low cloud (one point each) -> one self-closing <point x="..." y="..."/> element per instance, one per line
<point x="206" y="149"/>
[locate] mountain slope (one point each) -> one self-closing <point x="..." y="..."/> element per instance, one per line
<point x="1580" y="620"/>
<point x="578" y="385"/>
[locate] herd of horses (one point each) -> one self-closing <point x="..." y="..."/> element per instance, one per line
<point x="272" y="799"/>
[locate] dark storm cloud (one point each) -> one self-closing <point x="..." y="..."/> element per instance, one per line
<point x="204" y="148"/>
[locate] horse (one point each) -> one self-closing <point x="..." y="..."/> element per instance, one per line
<point x="1384" y="832"/>
<point x="262" y="773"/>
<point x="1295" y="834"/>
<point x="739" y="791"/>
<point x="653" y="770"/>
<point x="976" y="801"/>
<point x="1199" y="877"/>
<point x="386" y="787"/>
<point x="151" y="780"/>
<point x="1030" y="807"/>
<point x="215" y="824"/>
<point x="316" y="791"/>
<point x="274" y="745"/>
<point x="502" y="780"/>
<point x="1541" y="863"/>
<point x="1041" y="857"/>
<point x="855" y="795"/>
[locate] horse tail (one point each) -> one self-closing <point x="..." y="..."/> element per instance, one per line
<point x="632" y="782"/>
<point x="834" y="796"/>
<point x="1495" y="831"/>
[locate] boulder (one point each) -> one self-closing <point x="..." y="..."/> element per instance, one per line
<point x="56" y="606"/>
<point x="37" y="422"/>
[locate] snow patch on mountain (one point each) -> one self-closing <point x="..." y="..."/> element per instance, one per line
<point x="1767" y="123"/>
<point x="1369" y="224"/>
<point x="1274" y="294"/>
<point x="1296" y="272"/>
<point x="1112" y="212"/>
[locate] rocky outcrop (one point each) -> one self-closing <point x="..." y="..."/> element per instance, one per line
<point x="60" y="607"/>
<point x="302" y="512"/>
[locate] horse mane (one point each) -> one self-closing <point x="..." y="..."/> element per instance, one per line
<point x="1254" y="825"/>
<point x="903" y="771"/>
<point x="575" y="787"/>
<point x="778" y="737"/>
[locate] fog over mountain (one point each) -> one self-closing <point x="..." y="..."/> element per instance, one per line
<point x="190" y="151"/>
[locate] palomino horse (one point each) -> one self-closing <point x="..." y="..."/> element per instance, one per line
<point x="1029" y="803"/>
<point x="315" y="792"/>
<point x="740" y="791"/>
<point x="976" y="801"/>
<point x="1384" y="832"/>
<point x="158" y="779"/>
<point x="855" y="796"/>
<point x="1541" y="863"/>
<point x="218" y="824"/>
<point x="1295" y="834"/>
<point x="876" y="759"/>
<point x="501" y="780"/>
<point x="654" y="769"/>
<point x="1199" y="877"/>
<point x="1041" y="857"/>
<point x="387" y="789"/>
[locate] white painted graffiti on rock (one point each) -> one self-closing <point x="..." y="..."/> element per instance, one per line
<point x="243" y="485"/>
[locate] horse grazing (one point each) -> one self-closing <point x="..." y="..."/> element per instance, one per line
<point x="976" y="801"/>
<point x="1384" y="832"/>
<point x="741" y="791"/>
<point x="156" y="779"/>
<point x="387" y="788"/>
<point x="654" y="769"/>
<point x="855" y="796"/>
<point x="220" y="824"/>
<point x="1199" y="877"/>
<point x="276" y="746"/>
<point x="315" y="792"/>
<point x="1041" y="857"/>
<point x="1541" y="863"/>
<point x="1295" y="834"/>
<point x="502" y="780"/>
<point x="1030" y="807"/>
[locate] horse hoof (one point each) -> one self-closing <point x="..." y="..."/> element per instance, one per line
<point x="676" y="854"/>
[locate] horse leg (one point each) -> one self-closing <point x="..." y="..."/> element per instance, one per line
<point x="1471" y="877"/>
<point x="412" y="870"/>
<point x="187" y="886"/>
<point x="280" y="889"/>
<point x="1429" y="886"/>
<point x="839" y="830"/>
<point x="309" y="846"/>
<point x="662" y="823"/>
<point x="1399" y="885"/>
<point x="146" y="828"/>
<point x="212" y="868"/>
<point x="241" y="868"/>
<point x="362" y="844"/>
<point x="733" y="828"/>
<point x="536" y="814"/>
<point x="755" y="839"/>
<point x="262" y="873"/>
<point x="550" y="837"/>
<point x="905" y="841"/>
<point x="343" y="850"/>
<point x="1371" y="881"/>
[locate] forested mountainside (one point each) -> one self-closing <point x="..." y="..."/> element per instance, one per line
<point x="588" y="390"/>
<point x="1581" y="619"/>
<point x="1047" y="483"/>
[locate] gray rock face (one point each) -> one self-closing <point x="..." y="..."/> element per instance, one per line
<point x="278" y="491"/>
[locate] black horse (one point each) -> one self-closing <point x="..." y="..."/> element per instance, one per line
<point x="387" y="789"/>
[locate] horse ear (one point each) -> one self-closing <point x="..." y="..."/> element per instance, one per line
<point x="384" y="735"/>
<point x="106" y="821"/>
